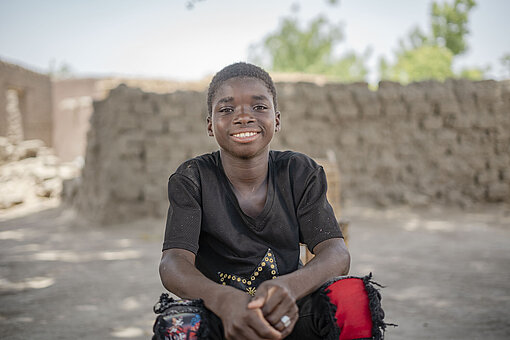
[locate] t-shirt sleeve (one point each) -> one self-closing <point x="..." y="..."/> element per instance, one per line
<point x="184" y="214"/>
<point x="316" y="218"/>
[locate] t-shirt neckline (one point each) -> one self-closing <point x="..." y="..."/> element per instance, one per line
<point x="256" y="222"/>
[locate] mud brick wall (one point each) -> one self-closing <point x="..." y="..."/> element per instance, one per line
<point x="424" y="143"/>
<point x="34" y="99"/>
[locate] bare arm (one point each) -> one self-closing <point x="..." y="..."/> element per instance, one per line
<point x="331" y="259"/>
<point x="180" y="276"/>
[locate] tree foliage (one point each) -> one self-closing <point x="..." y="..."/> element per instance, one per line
<point x="472" y="73"/>
<point x="311" y="49"/>
<point x="449" y="27"/>
<point x="293" y="49"/>
<point x="450" y="24"/>
<point x="430" y="56"/>
<point x="422" y="63"/>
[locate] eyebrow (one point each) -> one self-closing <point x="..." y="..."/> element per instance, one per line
<point x="231" y="99"/>
<point x="226" y="100"/>
<point x="260" y="97"/>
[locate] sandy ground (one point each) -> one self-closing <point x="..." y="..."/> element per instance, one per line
<point x="446" y="271"/>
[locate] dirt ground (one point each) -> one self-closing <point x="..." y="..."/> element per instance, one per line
<point x="446" y="272"/>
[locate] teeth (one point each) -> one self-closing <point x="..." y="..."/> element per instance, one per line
<point x="245" y="134"/>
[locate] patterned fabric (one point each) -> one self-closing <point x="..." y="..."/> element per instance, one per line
<point x="266" y="269"/>
<point x="184" y="326"/>
<point x="178" y="319"/>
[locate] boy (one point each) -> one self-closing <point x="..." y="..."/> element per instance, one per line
<point x="234" y="225"/>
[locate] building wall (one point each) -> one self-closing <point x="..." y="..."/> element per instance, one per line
<point x="35" y="104"/>
<point x="72" y="108"/>
<point x="424" y="143"/>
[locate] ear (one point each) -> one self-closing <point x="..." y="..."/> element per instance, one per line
<point x="210" y="132"/>
<point x="278" y="124"/>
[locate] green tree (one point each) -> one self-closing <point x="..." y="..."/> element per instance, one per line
<point x="431" y="56"/>
<point x="449" y="27"/>
<point x="422" y="63"/>
<point x="473" y="73"/>
<point x="450" y="24"/>
<point x="292" y="48"/>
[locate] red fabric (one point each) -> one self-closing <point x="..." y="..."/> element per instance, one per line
<point x="352" y="311"/>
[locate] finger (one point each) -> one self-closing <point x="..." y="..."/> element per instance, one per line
<point x="261" y="297"/>
<point x="256" y="303"/>
<point x="274" y="297"/>
<point x="252" y="326"/>
<point x="287" y="330"/>
<point x="262" y="327"/>
<point x="275" y="317"/>
<point x="277" y="303"/>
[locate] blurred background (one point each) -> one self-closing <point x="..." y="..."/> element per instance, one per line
<point x="190" y="40"/>
<point x="405" y="103"/>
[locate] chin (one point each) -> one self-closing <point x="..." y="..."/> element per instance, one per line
<point x="247" y="154"/>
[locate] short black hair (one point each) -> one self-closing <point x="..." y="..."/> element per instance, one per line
<point x="239" y="70"/>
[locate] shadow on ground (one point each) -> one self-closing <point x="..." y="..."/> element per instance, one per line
<point x="447" y="273"/>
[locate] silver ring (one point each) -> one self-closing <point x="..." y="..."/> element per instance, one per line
<point x="285" y="320"/>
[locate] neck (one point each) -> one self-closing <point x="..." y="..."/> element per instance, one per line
<point x="246" y="174"/>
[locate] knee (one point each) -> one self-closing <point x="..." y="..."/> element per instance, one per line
<point x="356" y="307"/>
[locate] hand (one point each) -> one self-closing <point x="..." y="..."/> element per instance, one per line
<point x="275" y="300"/>
<point x="240" y="322"/>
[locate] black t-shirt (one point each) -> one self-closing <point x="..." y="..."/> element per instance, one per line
<point x="231" y="247"/>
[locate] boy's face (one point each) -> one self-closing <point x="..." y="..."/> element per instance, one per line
<point x="243" y="118"/>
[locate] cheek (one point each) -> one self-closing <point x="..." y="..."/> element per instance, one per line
<point x="218" y="125"/>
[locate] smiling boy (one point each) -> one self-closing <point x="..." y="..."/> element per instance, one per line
<point x="235" y="222"/>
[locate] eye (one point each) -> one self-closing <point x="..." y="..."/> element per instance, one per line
<point x="259" y="107"/>
<point x="226" y="109"/>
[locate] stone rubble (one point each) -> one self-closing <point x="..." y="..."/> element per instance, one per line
<point x="30" y="172"/>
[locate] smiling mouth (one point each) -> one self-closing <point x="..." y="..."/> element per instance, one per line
<point x="244" y="134"/>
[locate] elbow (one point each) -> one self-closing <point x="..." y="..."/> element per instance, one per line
<point x="166" y="273"/>
<point x="344" y="261"/>
<point x="343" y="258"/>
<point x="175" y="264"/>
<point x="335" y="253"/>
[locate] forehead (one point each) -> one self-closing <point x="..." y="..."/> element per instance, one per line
<point x="234" y="87"/>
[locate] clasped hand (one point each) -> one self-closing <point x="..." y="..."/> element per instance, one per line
<point x="260" y="317"/>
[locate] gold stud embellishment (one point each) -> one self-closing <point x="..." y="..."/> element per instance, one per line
<point x="266" y="270"/>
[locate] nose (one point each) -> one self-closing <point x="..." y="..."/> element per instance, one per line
<point x="244" y="115"/>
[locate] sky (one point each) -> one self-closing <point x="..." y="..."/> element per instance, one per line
<point x="164" y="39"/>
